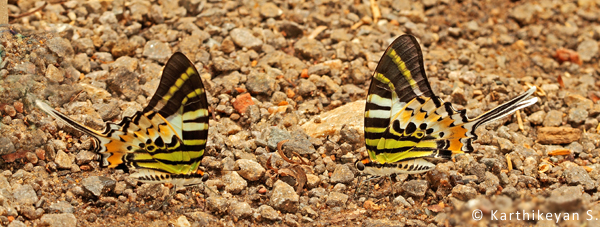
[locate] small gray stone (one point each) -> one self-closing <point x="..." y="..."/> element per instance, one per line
<point x="126" y="62"/>
<point x="217" y="204"/>
<point x="342" y="174"/>
<point x="234" y="184"/>
<point x="243" y="37"/>
<point x="537" y="118"/>
<point x="30" y="212"/>
<point x="340" y="35"/>
<point x="319" y="69"/>
<point x="523" y="13"/>
<point x="249" y="169"/>
<point x="268" y="213"/>
<point x="270" y="10"/>
<point x="62" y="47"/>
<point x="306" y="87"/>
<point x="17" y="223"/>
<point x="312" y="181"/>
<point x="490" y="184"/>
<point x="565" y="198"/>
<point x="505" y="145"/>
<point x="337" y="199"/>
<point x="284" y="197"/>
<point x="400" y="200"/>
<point x="123" y="82"/>
<point x="85" y="157"/>
<point x="55" y="74"/>
<point x="240" y="210"/>
<point x="553" y="118"/>
<point x="260" y="83"/>
<point x="225" y="65"/>
<point x="24" y="194"/>
<point x="58" y="220"/>
<point x="310" y="48"/>
<point x="82" y="63"/>
<point x="203" y="218"/>
<point x="6" y="146"/>
<point x="157" y="50"/>
<point x="463" y="192"/>
<point x="577" y="115"/>
<point x="577" y="175"/>
<point x="415" y="187"/>
<point x="61" y="207"/>
<point x="63" y="160"/>
<point x="97" y="185"/>
<point x="587" y="50"/>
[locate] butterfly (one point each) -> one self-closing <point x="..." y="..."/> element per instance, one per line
<point x="164" y="142"/>
<point x="405" y="122"/>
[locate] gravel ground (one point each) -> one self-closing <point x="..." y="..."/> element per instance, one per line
<point x="298" y="71"/>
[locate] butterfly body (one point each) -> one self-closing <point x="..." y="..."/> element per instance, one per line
<point x="406" y="123"/>
<point x="165" y="142"/>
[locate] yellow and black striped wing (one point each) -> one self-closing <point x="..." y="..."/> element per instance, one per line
<point x="165" y="142"/>
<point x="398" y="80"/>
<point x="404" y="120"/>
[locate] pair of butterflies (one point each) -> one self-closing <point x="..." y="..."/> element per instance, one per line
<point x="405" y="123"/>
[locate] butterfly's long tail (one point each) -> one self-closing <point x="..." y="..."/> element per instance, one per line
<point x="58" y="115"/>
<point x="506" y="108"/>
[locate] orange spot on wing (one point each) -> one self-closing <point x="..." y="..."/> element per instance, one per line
<point x="455" y="146"/>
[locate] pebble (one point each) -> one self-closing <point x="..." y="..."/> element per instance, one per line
<point x="336" y="199"/>
<point x="6" y="146"/>
<point x="312" y="181"/>
<point x="268" y="213"/>
<point x="310" y="48"/>
<point x="58" y="220"/>
<point x="464" y="192"/>
<point x="524" y="13"/>
<point x="63" y="160"/>
<point x="284" y="197"/>
<point x="24" y="194"/>
<point x="537" y="118"/>
<point x="415" y="188"/>
<point x="260" y="83"/>
<point x="61" y="47"/>
<point x="553" y="118"/>
<point x="217" y="204"/>
<point x="342" y="174"/>
<point x="270" y="10"/>
<point x="234" y="184"/>
<point x="577" y="116"/>
<point x="577" y="175"/>
<point x="240" y="210"/>
<point x="243" y="37"/>
<point x="183" y="222"/>
<point x="565" y="198"/>
<point x="350" y="115"/>
<point x="249" y="169"/>
<point x="61" y="207"/>
<point x="98" y="185"/>
<point x="587" y="50"/>
<point x="224" y="65"/>
<point x="157" y="50"/>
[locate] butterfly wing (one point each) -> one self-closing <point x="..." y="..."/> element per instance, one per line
<point x="398" y="81"/>
<point x="166" y="140"/>
<point x="404" y="120"/>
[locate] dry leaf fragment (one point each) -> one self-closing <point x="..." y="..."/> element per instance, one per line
<point x="559" y="152"/>
<point x="509" y="162"/>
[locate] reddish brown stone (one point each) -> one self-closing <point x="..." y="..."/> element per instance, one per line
<point x="18" y="106"/>
<point x="41" y="154"/>
<point x="242" y="102"/>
